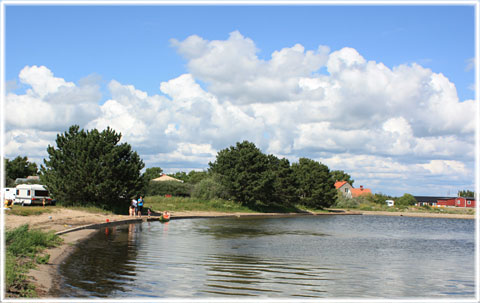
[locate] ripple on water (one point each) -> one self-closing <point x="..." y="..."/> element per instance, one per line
<point x="308" y="257"/>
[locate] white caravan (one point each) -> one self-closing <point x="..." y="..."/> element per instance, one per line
<point x="29" y="194"/>
<point x="9" y="193"/>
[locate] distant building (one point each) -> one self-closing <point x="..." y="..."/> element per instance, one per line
<point x="357" y="192"/>
<point x="390" y="203"/>
<point x="164" y="177"/>
<point x="456" y="202"/>
<point x="427" y="200"/>
<point x="445" y="201"/>
<point x="344" y="187"/>
<point x="349" y="191"/>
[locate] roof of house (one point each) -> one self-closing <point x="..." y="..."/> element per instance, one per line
<point x="339" y="184"/>
<point x="360" y="191"/>
<point x="453" y="198"/>
<point x="430" y="198"/>
<point x="164" y="177"/>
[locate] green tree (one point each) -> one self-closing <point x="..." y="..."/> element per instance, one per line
<point x="20" y="167"/>
<point x="378" y="198"/>
<point x="405" y="200"/>
<point x="316" y="184"/>
<point x="196" y="176"/>
<point x="466" y="193"/>
<point x="285" y="184"/>
<point x="209" y="188"/>
<point x="152" y="173"/>
<point x="244" y="172"/>
<point x="340" y="175"/>
<point x="92" y="168"/>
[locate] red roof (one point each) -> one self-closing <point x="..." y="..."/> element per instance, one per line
<point x="360" y="191"/>
<point x="339" y="184"/>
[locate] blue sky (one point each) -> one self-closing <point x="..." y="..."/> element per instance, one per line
<point x="367" y="74"/>
<point x="131" y="43"/>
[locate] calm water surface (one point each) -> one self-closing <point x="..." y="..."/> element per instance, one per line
<point x="318" y="257"/>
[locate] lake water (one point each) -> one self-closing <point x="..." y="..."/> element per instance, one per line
<point x="290" y="257"/>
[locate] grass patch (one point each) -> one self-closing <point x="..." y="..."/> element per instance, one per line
<point x="23" y="251"/>
<point x="30" y="210"/>
<point x="160" y="203"/>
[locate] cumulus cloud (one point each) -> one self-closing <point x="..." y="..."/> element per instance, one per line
<point x="50" y="103"/>
<point x="236" y="74"/>
<point x="388" y="127"/>
<point x="443" y="167"/>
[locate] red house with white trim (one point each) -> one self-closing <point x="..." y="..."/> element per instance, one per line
<point x="456" y="202"/>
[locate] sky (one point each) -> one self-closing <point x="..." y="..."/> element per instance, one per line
<point x="384" y="92"/>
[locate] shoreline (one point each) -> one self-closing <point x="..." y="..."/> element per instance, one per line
<point x="77" y="226"/>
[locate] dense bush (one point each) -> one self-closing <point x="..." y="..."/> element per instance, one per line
<point x="209" y="188"/>
<point x="405" y="200"/>
<point x="173" y="188"/>
<point x="378" y="198"/>
<point x="344" y="202"/>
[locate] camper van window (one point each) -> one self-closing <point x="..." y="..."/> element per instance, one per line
<point x="18" y="192"/>
<point x="41" y="193"/>
<point x="28" y="192"/>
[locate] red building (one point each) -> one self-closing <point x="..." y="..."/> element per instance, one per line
<point x="456" y="202"/>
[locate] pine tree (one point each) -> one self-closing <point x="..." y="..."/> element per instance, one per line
<point x="285" y="184"/>
<point x="92" y="168"/>
<point x="316" y="184"/>
<point x="244" y="171"/>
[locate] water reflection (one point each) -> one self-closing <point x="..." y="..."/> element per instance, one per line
<point x="319" y="257"/>
<point x="233" y="275"/>
<point x="103" y="264"/>
<point x="252" y="228"/>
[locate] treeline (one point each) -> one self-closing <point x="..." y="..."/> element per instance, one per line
<point x="378" y="199"/>
<point x="94" y="168"/>
<point x="19" y="167"/>
<point x="262" y="182"/>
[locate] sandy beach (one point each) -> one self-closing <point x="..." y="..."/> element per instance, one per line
<point x="74" y="226"/>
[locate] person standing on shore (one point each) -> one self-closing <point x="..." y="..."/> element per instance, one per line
<point x="134" y="207"/>
<point x="140" y="206"/>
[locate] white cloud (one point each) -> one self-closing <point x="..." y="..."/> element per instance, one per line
<point x="235" y="73"/>
<point x="470" y="64"/>
<point x="41" y="80"/>
<point x="28" y="142"/>
<point x="51" y="103"/>
<point x="380" y="124"/>
<point x="443" y="167"/>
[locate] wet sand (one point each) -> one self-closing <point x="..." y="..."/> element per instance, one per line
<point x="75" y="226"/>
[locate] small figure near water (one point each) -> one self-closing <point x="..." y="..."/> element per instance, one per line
<point x="165" y="216"/>
<point x="133" y="208"/>
<point x="140" y="206"/>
